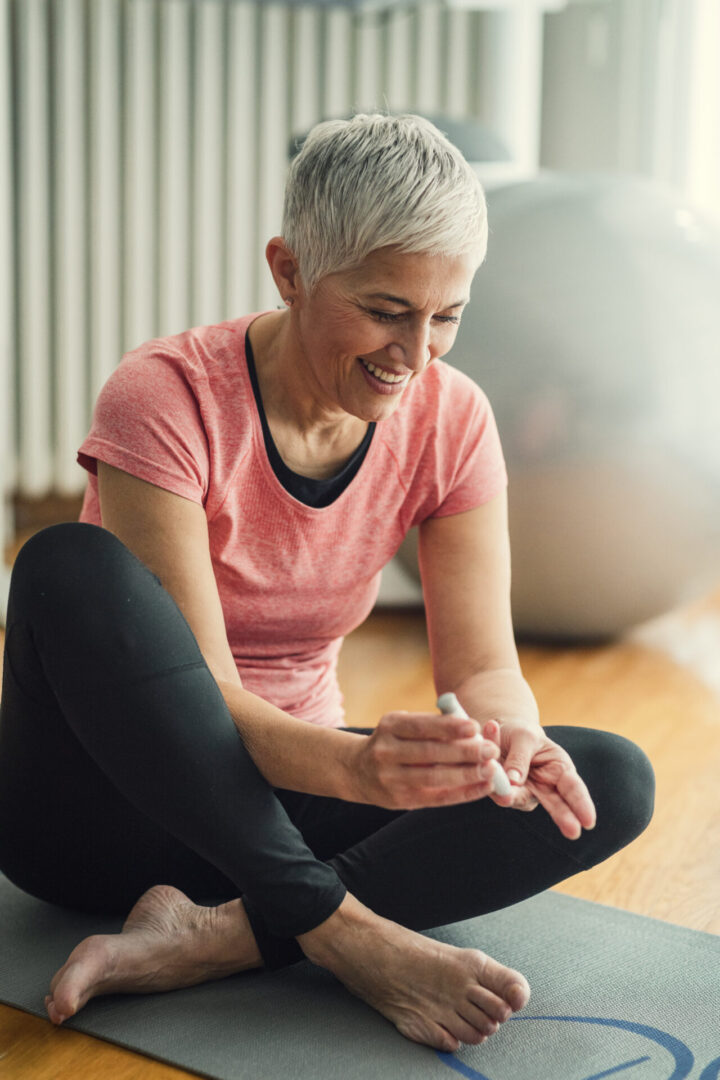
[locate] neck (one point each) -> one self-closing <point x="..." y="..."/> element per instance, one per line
<point x="314" y="436"/>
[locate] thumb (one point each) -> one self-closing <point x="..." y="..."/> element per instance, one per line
<point x="518" y="759"/>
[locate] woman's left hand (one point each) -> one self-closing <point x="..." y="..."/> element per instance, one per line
<point x="541" y="772"/>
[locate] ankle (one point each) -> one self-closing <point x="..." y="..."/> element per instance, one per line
<point x="234" y="937"/>
<point x="327" y="941"/>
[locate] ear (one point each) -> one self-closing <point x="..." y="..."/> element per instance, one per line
<point x="283" y="267"/>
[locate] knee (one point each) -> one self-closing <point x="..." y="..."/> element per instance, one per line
<point x="625" y="784"/>
<point x="68" y="542"/>
<point x="58" y="565"/>
<point x="621" y="782"/>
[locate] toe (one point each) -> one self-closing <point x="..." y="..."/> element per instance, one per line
<point x="479" y="1031"/>
<point x="71" y="988"/>
<point x="495" y="1007"/>
<point x="446" y="1040"/>
<point x="428" y="1033"/>
<point x="518" y="993"/>
<point x="54" y="1014"/>
<point x="479" y="1020"/>
<point x="502" y="981"/>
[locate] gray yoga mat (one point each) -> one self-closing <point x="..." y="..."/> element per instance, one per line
<point x="613" y="994"/>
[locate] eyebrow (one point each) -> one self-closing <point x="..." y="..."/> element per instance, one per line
<point x="406" y="303"/>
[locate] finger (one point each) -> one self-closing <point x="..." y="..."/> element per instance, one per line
<point x="523" y="747"/>
<point x="429" y="726"/>
<point x="563" y="816"/>
<point x="518" y="799"/>
<point x="433" y="797"/>
<point x="460" y="751"/>
<point x="524" y="800"/>
<point x="443" y="776"/>
<point x="491" y="731"/>
<point x="575" y="793"/>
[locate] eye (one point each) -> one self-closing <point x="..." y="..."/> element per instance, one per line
<point x="393" y="316"/>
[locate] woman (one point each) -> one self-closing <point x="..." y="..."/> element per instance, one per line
<point x="172" y="728"/>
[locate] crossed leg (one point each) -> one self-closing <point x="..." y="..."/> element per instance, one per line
<point x="113" y="733"/>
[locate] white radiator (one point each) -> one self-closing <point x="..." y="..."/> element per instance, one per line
<point x="143" y="149"/>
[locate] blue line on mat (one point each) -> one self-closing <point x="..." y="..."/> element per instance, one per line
<point x="682" y="1054"/>
<point x="711" y="1071"/>
<point x="460" y="1066"/>
<point x="618" y="1068"/>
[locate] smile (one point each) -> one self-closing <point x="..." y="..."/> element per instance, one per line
<point x="380" y="373"/>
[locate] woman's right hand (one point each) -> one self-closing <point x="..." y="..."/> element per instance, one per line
<point x="415" y="760"/>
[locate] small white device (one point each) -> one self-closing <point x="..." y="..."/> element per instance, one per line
<point x="449" y="705"/>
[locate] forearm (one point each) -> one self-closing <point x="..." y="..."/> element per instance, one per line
<point x="498" y="694"/>
<point x="292" y="753"/>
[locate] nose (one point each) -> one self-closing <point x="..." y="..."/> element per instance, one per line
<point x="412" y="347"/>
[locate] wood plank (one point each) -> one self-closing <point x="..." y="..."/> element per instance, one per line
<point x="31" y="1047"/>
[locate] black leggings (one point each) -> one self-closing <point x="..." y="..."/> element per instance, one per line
<point x="121" y="768"/>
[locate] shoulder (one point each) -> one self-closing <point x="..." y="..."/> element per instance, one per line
<point x="444" y="441"/>
<point x="201" y="368"/>
<point x="175" y="411"/>
<point x="201" y="352"/>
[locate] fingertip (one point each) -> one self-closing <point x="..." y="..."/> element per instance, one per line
<point x="505" y="801"/>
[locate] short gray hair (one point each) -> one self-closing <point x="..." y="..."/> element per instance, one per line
<point x="378" y="181"/>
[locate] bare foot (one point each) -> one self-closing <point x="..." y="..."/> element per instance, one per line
<point x="167" y="942"/>
<point x="433" y="993"/>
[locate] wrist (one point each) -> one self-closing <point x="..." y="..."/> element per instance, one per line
<point x="349" y="767"/>
<point x="500" y="694"/>
<point x="292" y="753"/>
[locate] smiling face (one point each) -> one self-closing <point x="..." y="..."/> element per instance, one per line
<point x="364" y="333"/>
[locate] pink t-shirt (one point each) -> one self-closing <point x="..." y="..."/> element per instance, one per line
<point x="180" y="413"/>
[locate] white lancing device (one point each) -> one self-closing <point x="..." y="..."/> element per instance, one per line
<point x="449" y="705"/>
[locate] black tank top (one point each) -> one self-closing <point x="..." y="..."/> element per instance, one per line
<point x="305" y="489"/>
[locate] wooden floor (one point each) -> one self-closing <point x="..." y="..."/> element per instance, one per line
<point x="660" y="687"/>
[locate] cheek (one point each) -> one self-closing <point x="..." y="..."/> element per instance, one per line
<point x="361" y="339"/>
<point x="445" y="340"/>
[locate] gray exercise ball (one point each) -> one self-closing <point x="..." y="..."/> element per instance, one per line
<point x="594" y="328"/>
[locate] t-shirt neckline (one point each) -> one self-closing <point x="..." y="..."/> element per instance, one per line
<point x="285" y="479"/>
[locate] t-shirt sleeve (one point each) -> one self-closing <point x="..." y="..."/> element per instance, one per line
<point x="147" y="422"/>
<point x="470" y="462"/>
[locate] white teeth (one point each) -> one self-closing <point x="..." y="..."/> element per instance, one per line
<point x="385" y="376"/>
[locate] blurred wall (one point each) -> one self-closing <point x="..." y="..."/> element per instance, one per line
<point x="634" y="86"/>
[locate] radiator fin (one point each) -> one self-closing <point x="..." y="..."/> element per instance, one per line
<point x="143" y="151"/>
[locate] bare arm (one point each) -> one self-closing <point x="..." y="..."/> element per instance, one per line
<point x="465" y="566"/>
<point x="410" y="760"/>
<point x="169" y="534"/>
